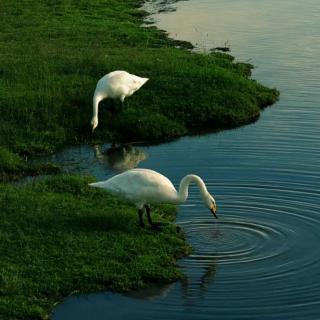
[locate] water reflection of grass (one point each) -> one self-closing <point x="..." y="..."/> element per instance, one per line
<point x="59" y="236"/>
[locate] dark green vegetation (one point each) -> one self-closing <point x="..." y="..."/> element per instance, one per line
<point x="59" y="235"/>
<point x="12" y="167"/>
<point x="53" y="53"/>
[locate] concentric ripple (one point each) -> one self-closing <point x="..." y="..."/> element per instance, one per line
<point x="258" y="225"/>
<point x="236" y="241"/>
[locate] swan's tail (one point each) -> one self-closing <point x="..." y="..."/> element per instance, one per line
<point x="106" y="185"/>
<point x="139" y="82"/>
<point x="144" y="80"/>
<point x="100" y="184"/>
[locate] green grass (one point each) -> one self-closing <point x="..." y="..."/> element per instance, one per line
<point x="58" y="236"/>
<point x="53" y="52"/>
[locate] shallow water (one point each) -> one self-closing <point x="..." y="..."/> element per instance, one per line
<point x="261" y="258"/>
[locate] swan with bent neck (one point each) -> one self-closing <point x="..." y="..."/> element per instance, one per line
<point x="143" y="187"/>
<point x="115" y="85"/>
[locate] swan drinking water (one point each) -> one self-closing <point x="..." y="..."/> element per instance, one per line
<point x="143" y="187"/>
<point x="115" y="85"/>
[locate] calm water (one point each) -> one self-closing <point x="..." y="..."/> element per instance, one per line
<point x="261" y="258"/>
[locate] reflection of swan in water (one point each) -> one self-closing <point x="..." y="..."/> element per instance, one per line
<point x="194" y="289"/>
<point x="191" y="288"/>
<point x="152" y="292"/>
<point x="196" y="285"/>
<point x="120" y="158"/>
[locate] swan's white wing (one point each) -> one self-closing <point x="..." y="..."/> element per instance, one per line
<point x="140" y="186"/>
<point x="119" y="84"/>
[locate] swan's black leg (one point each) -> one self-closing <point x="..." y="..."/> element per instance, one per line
<point x="148" y="210"/>
<point x="140" y="213"/>
<point x="154" y="226"/>
<point x="121" y="105"/>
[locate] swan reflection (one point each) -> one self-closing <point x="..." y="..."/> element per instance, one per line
<point x="120" y="158"/>
<point x="151" y="293"/>
<point x="195" y="288"/>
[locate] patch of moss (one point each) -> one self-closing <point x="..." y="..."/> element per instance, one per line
<point x="12" y="167"/>
<point x="10" y="162"/>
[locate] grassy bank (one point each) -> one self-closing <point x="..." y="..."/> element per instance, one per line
<point x="59" y="235"/>
<point x="53" y="53"/>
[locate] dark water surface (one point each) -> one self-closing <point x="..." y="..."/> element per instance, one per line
<point x="261" y="259"/>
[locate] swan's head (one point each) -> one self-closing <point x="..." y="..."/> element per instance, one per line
<point x="211" y="204"/>
<point x="94" y="123"/>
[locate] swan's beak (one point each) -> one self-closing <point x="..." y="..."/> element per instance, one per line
<point x="213" y="211"/>
<point x="94" y="125"/>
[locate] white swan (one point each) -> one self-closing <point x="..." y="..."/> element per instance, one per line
<point x="115" y="85"/>
<point x="143" y="187"/>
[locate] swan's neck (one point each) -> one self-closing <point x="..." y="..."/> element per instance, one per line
<point x="184" y="185"/>
<point x="96" y="100"/>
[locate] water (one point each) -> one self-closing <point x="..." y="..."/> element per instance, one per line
<point x="260" y="259"/>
